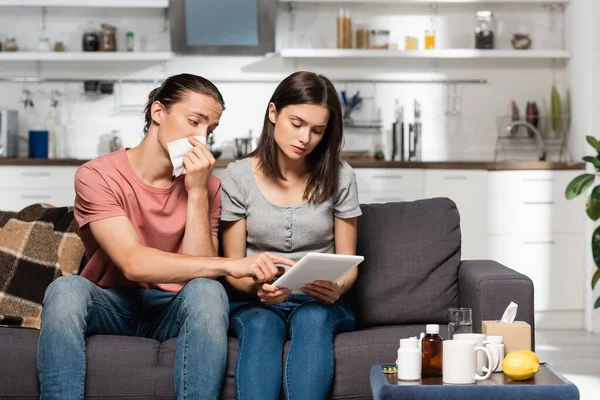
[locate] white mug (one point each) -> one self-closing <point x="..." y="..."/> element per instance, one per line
<point x="480" y="338"/>
<point x="459" y="365"/>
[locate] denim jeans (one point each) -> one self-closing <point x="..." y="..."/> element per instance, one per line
<point x="74" y="307"/>
<point x="262" y="331"/>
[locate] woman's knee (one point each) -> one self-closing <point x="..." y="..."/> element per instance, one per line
<point x="258" y="320"/>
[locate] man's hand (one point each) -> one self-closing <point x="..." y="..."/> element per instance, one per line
<point x="198" y="164"/>
<point x="323" y="291"/>
<point x="260" y="267"/>
<point x="270" y="294"/>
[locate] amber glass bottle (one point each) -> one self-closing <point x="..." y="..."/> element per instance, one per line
<point x="431" y="352"/>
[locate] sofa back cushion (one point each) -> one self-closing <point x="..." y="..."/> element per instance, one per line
<point x="410" y="271"/>
<point x="37" y="245"/>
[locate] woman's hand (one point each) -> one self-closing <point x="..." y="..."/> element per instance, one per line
<point x="323" y="291"/>
<point x="270" y="294"/>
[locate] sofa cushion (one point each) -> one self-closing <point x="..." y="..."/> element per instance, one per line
<point x="37" y="245"/>
<point x="410" y="271"/>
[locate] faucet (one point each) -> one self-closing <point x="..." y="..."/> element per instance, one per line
<point x="540" y="147"/>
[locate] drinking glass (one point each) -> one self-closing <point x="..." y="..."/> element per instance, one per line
<point x="460" y="321"/>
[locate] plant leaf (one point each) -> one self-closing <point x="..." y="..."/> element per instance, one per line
<point x="595" y="278"/>
<point x="595" y="162"/>
<point x="597" y="303"/>
<point x="592" y="205"/>
<point x="593" y="142"/>
<point x="596" y="246"/>
<point x="578" y="185"/>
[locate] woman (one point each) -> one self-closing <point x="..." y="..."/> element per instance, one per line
<point x="151" y="244"/>
<point x="291" y="196"/>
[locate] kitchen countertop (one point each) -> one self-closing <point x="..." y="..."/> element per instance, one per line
<point x="362" y="163"/>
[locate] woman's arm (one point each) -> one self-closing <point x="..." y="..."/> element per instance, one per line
<point x="345" y="243"/>
<point x="234" y="246"/>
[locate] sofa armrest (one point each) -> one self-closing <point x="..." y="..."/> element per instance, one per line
<point x="488" y="287"/>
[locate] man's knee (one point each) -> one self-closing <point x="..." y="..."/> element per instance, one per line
<point x="67" y="295"/>
<point x="205" y="298"/>
<point x="207" y="291"/>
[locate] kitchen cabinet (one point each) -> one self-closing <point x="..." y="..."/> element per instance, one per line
<point x="468" y="189"/>
<point x="383" y="185"/>
<point x="22" y="186"/>
<point x="533" y="229"/>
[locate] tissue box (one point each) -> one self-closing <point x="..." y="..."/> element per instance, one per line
<point x="516" y="336"/>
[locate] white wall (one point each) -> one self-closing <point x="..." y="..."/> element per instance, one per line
<point x="468" y="136"/>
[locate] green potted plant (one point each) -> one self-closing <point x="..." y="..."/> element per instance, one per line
<point x="592" y="205"/>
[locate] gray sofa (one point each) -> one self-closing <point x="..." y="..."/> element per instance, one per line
<point x="411" y="275"/>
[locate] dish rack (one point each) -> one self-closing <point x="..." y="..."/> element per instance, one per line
<point x="521" y="142"/>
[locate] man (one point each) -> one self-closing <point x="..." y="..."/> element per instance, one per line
<point x="151" y="243"/>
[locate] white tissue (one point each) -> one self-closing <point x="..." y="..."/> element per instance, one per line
<point x="177" y="151"/>
<point x="510" y="313"/>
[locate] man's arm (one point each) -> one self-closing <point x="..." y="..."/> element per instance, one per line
<point x="198" y="240"/>
<point x="140" y="263"/>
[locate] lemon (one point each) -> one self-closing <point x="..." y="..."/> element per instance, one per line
<point x="521" y="365"/>
<point x="529" y="353"/>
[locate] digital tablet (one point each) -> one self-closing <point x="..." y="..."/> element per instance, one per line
<point x="317" y="267"/>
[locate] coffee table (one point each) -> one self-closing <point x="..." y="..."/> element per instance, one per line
<point x="545" y="385"/>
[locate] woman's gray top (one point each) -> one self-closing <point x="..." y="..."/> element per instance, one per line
<point x="290" y="231"/>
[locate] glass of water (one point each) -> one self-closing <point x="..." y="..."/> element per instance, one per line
<point x="460" y="321"/>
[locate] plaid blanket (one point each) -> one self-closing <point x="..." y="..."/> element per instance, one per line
<point x="37" y="245"/>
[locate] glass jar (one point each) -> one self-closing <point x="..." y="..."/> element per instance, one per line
<point x="484" y="30"/>
<point x="130" y="41"/>
<point x="363" y="38"/>
<point x="411" y="43"/>
<point x="108" y="41"/>
<point x="10" y="44"/>
<point x="430" y="39"/>
<point x="59" y="46"/>
<point x="90" y="40"/>
<point x="380" y="39"/>
<point x="44" y="45"/>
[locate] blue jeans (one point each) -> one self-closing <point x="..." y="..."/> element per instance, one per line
<point x="74" y="307"/>
<point x="262" y="331"/>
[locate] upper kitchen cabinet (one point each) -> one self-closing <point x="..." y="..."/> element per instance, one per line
<point x="88" y="3"/>
<point x="223" y="27"/>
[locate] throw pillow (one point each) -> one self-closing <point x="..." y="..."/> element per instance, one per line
<point x="37" y="245"/>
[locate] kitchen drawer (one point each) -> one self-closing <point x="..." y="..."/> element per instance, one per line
<point x="554" y="262"/>
<point x="16" y="199"/>
<point x="388" y="180"/>
<point x="508" y="214"/>
<point x="385" y="197"/>
<point x="531" y="186"/>
<point x="37" y="177"/>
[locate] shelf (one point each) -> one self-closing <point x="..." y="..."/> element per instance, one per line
<point x="424" y="54"/>
<point x="88" y="3"/>
<point x="401" y="2"/>
<point x="85" y="56"/>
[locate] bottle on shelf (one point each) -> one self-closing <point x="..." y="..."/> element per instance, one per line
<point x="344" y="30"/>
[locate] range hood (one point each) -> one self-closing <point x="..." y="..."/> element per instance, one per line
<point x="223" y="27"/>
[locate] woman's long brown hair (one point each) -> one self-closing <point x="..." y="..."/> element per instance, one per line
<point x="324" y="161"/>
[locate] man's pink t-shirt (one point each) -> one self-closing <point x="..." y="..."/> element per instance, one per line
<point x="109" y="187"/>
